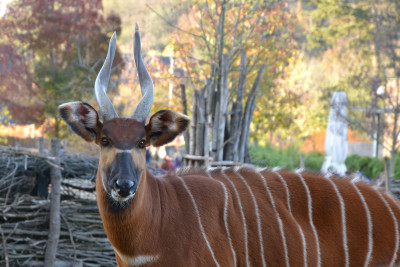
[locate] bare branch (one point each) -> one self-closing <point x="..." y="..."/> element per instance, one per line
<point x="170" y="24"/>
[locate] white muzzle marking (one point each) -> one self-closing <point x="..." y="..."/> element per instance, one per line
<point x="118" y="198"/>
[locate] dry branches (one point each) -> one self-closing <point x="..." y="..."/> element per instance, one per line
<point x="24" y="225"/>
<point x="24" y="219"/>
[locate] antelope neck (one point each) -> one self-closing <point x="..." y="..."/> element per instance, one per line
<point x="136" y="219"/>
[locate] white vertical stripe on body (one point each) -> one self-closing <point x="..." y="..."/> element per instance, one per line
<point x="199" y="219"/>
<point x="242" y="214"/>
<point x="370" y="226"/>
<point x="257" y="217"/>
<point x="278" y="217"/>
<point x="286" y="189"/>
<point x="344" y="227"/>
<point x="303" y="238"/>
<point x="396" y="203"/>
<point x="396" y="228"/>
<point x="226" y="219"/>
<point x="310" y="217"/>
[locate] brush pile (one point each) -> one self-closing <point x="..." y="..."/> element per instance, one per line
<point x="24" y="231"/>
<point x="24" y="211"/>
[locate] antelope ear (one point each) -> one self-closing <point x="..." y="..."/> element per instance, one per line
<point x="82" y="118"/>
<point x="164" y="126"/>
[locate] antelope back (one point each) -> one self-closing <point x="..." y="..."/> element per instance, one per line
<point x="254" y="217"/>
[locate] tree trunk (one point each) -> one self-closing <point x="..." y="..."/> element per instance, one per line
<point x="393" y="151"/>
<point x="193" y="123"/>
<point x="208" y="95"/>
<point x="237" y="110"/>
<point x="248" y="114"/>
<point x="54" y="227"/>
<point x="247" y="158"/>
<point x="218" y="97"/>
<point x="185" y="111"/>
<point x="200" y="123"/>
<point x="223" y="109"/>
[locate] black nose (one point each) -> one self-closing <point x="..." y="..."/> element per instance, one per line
<point x="124" y="187"/>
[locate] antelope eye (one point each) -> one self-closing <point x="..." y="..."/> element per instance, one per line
<point x="142" y="143"/>
<point x="104" y="141"/>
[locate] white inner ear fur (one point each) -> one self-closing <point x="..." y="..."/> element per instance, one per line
<point x="156" y="123"/>
<point x="89" y="120"/>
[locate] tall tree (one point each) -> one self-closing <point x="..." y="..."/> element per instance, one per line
<point x="238" y="49"/>
<point x="58" y="46"/>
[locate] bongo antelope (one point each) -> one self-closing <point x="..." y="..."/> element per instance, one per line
<point x="225" y="216"/>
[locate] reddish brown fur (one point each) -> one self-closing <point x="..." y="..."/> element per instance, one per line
<point x="124" y="132"/>
<point x="161" y="220"/>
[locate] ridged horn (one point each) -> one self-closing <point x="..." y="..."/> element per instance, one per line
<point x="146" y="84"/>
<point x="107" y="110"/>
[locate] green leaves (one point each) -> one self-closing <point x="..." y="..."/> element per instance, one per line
<point x="339" y="23"/>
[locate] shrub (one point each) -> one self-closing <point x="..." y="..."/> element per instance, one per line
<point x="290" y="158"/>
<point x="370" y="167"/>
<point x="313" y="161"/>
<point x="353" y="163"/>
<point x="286" y="158"/>
<point x="270" y="156"/>
<point x="397" y="167"/>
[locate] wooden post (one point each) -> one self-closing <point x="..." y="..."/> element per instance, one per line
<point x="193" y="124"/>
<point x="208" y="124"/>
<point x="248" y="114"/>
<point x="200" y="124"/>
<point x="237" y="111"/>
<point x="221" y="110"/>
<point x="41" y="145"/>
<point x="387" y="175"/>
<point x="54" y="226"/>
<point x="185" y="111"/>
<point x="302" y="162"/>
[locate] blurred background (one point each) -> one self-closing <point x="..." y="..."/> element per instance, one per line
<point x="298" y="84"/>
<point x="301" y="51"/>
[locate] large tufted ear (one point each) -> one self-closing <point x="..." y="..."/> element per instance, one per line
<point x="82" y="118"/>
<point x="164" y="126"/>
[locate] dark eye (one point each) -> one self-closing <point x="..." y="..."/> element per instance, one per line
<point x="104" y="141"/>
<point x="142" y="143"/>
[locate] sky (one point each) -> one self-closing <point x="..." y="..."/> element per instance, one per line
<point x="3" y="5"/>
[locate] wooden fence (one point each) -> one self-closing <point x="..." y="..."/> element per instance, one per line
<point x="63" y="230"/>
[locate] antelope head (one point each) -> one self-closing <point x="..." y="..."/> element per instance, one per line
<point x="123" y="140"/>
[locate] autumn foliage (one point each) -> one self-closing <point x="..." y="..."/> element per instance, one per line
<point x="53" y="49"/>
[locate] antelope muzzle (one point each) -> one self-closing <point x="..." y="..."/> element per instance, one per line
<point x="123" y="177"/>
